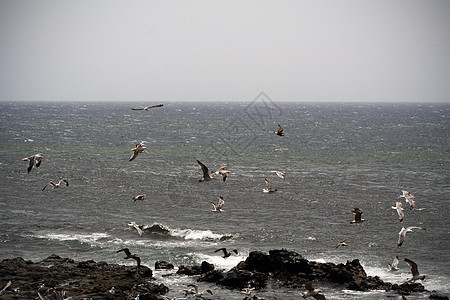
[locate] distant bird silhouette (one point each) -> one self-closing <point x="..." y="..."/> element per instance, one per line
<point x="147" y="107"/>
<point x="139" y="148"/>
<point x="414" y="271"/>
<point x="34" y="159"/>
<point x="131" y="255"/>
<point x="357" y="212"/>
<point x="399" y="209"/>
<point x="404" y="231"/>
<point x="219" y="206"/>
<point x="139" y="197"/>
<point x="393" y="266"/>
<point x="222" y="172"/>
<point x="279" y="174"/>
<point x="342" y="243"/>
<point x="269" y="187"/>
<point x="279" y="131"/>
<point x="207" y="176"/>
<point x="312" y="292"/>
<point x="226" y="253"/>
<point x="56" y="185"/>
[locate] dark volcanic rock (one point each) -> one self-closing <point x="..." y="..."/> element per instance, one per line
<point x="163" y="265"/>
<point x="195" y="269"/>
<point x="86" y="279"/>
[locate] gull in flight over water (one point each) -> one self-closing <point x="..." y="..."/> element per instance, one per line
<point x="36" y="158"/>
<point x="398" y="207"/>
<point x="269" y="187"/>
<point x="207" y="176"/>
<point x="408" y="198"/>
<point x="357" y="212"/>
<point x="139" y="148"/>
<point x="131" y="255"/>
<point x="404" y="231"/>
<point x="139" y="197"/>
<point x="56" y="185"/>
<point x="279" y="131"/>
<point x="225" y="252"/>
<point x="222" y="172"/>
<point x="393" y="266"/>
<point x="218" y="207"/>
<point x="147" y="107"/>
<point x="414" y="271"/>
<point x="312" y="292"/>
<point x="136" y="226"/>
<point x="342" y="243"/>
<point x="279" y="174"/>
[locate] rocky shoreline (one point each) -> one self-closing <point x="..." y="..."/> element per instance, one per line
<point x="61" y="278"/>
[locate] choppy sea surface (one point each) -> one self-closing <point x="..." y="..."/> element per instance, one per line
<point x="335" y="157"/>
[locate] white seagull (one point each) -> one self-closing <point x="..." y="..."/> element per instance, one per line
<point x="408" y="198"/>
<point x="222" y="172"/>
<point x="269" y="187"/>
<point x="56" y="185"/>
<point x="279" y="174"/>
<point x="404" y="231"/>
<point x="36" y="158"/>
<point x="136" y="226"/>
<point x="312" y="292"/>
<point x="414" y="271"/>
<point x="139" y="148"/>
<point x="194" y="291"/>
<point x="218" y="207"/>
<point x="207" y="176"/>
<point x="393" y="266"/>
<point x="342" y="243"/>
<point x="147" y="107"/>
<point x="398" y="207"/>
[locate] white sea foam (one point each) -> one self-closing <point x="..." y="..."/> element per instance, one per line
<point x="83" y="238"/>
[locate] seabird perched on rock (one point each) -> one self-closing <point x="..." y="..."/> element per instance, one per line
<point x="312" y="292"/>
<point x="139" y="197"/>
<point x="56" y="185"/>
<point x="404" y="231"/>
<point x="414" y="271"/>
<point x="225" y="252"/>
<point x="131" y="255"/>
<point x="196" y="293"/>
<point x="218" y="207"/>
<point x="147" y="107"/>
<point x="139" y="148"/>
<point x="269" y="187"/>
<point x="393" y="266"/>
<point x="136" y="226"/>
<point x="357" y="212"/>
<point x="207" y="176"/>
<point x="222" y="172"/>
<point x="342" y="243"/>
<point x="279" y="174"/>
<point x="36" y="158"/>
<point x="398" y="207"/>
<point x="279" y="131"/>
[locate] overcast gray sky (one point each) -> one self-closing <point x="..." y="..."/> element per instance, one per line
<point x="343" y="50"/>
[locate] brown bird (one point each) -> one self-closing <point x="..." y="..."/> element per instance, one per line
<point x="225" y="252"/>
<point x="139" y="148"/>
<point x="139" y="197"/>
<point x="207" y="176"/>
<point x="56" y="185"/>
<point x="342" y="243"/>
<point x="36" y="158"/>
<point x="279" y="131"/>
<point x="147" y="107"/>
<point x="131" y="255"/>
<point x="312" y="292"/>
<point x="357" y="212"/>
<point x="414" y="271"/>
<point x="222" y="172"/>
<point x="269" y="187"/>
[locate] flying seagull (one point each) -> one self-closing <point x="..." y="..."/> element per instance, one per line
<point x="414" y="271"/>
<point x="36" y="158"/>
<point x="218" y="207"/>
<point x="131" y="255"/>
<point x="342" y="243"/>
<point x="404" y="231"/>
<point x="139" y="197"/>
<point x="147" y="107"/>
<point x="279" y="174"/>
<point x="222" y="172"/>
<point x="393" y="266"/>
<point x="56" y="185"/>
<point x="408" y="198"/>
<point x="139" y="148"/>
<point x="207" y="176"/>
<point x="269" y="187"/>
<point x="398" y="207"/>
<point x="225" y="252"/>
<point x="357" y="212"/>
<point x="136" y="226"/>
<point x="279" y="131"/>
<point x="312" y="292"/>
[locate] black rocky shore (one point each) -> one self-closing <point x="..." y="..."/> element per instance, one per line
<point x="60" y="278"/>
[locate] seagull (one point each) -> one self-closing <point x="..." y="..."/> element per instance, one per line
<point x="56" y="185"/>
<point x="131" y="255"/>
<point x="206" y="175"/>
<point x="194" y="291"/>
<point x="6" y="286"/>
<point x="406" y="194"/>
<point x="136" y="226"/>
<point x="398" y="207"/>
<point x="36" y="158"/>
<point x="393" y="266"/>
<point x="357" y="212"/>
<point x="280" y="131"/>
<point x="342" y="243"/>
<point x="269" y="187"/>
<point x="225" y="252"/>
<point x="139" y="197"/>
<point x="279" y="174"/>
<point x="139" y="148"/>
<point x="404" y="231"/>
<point x="311" y="292"/>
<point x="147" y="107"/>
<point x="408" y="198"/>
<point x="222" y="172"/>
<point x="414" y="271"/>
<point x="218" y="207"/>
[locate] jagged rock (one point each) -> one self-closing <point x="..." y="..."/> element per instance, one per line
<point x="163" y="265"/>
<point x="195" y="269"/>
<point x="437" y="296"/>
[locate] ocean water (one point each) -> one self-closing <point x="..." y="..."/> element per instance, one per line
<point x="335" y="157"/>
